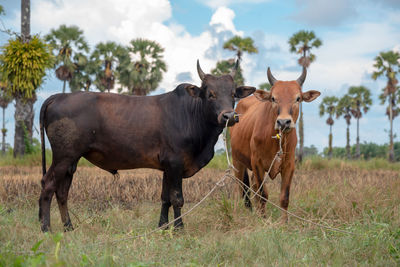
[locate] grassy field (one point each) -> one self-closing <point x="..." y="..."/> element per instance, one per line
<point x="108" y="213"/>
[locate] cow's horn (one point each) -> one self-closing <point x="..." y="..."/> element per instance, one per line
<point x="233" y="71"/>
<point x="200" y="71"/>
<point x="271" y="78"/>
<point x="302" y="77"/>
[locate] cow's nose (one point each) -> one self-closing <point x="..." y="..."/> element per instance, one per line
<point x="231" y="117"/>
<point x="284" y="123"/>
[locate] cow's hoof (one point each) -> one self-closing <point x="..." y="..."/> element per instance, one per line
<point x="284" y="220"/>
<point x="45" y="228"/>
<point x="163" y="225"/>
<point x="68" y="227"/>
<point x="178" y="226"/>
<point x="248" y="205"/>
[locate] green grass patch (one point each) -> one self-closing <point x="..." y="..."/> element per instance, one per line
<point x="319" y="163"/>
<point x="222" y="233"/>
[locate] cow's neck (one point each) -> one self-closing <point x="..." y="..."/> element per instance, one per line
<point x="204" y="136"/>
<point x="199" y="135"/>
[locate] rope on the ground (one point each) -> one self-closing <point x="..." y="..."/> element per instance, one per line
<point x="220" y="183"/>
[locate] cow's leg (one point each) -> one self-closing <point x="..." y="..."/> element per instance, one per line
<point x="172" y="192"/>
<point x="287" y="174"/>
<point x="50" y="183"/>
<point x="177" y="200"/>
<point x="262" y="194"/>
<point x="246" y="189"/>
<point x="48" y="188"/>
<point x="173" y="173"/>
<point x="243" y="190"/>
<point x="165" y="201"/>
<point x="63" y="185"/>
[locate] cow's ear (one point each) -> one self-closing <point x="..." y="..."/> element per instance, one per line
<point x="262" y="95"/>
<point x="243" y="91"/>
<point x="193" y="90"/>
<point x="310" y="95"/>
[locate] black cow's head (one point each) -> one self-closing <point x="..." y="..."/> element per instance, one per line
<point x="219" y="95"/>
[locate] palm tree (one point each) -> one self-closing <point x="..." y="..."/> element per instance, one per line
<point x="301" y="43"/>
<point x="83" y="75"/>
<point x="387" y="63"/>
<point x="238" y="45"/>
<point x="344" y="108"/>
<point x="106" y="55"/>
<point x="361" y="99"/>
<point x="23" y="64"/>
<point x="329" y="106"/>
<point x="66" y="42"/>
<point x="5" y="99"/>
<point x="141" y="66"/>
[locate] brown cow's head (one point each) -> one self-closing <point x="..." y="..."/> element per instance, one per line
<point x="285" y="97"/>
<point x="218" y="95"/>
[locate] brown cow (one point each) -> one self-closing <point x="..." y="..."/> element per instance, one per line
<point x="263" y="115"/>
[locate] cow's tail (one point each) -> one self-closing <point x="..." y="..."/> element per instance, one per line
<point x="42" y="136"/>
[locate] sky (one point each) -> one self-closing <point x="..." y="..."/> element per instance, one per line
<point x="353" y="33"/>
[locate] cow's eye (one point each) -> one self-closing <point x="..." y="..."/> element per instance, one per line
<point x="273" y="99"/>
<point x="298" y="99"/>
<point x="212" y="95"/>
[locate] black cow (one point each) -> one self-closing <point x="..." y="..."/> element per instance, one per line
<point x="173" y="132"/>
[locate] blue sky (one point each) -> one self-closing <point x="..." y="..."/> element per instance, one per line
<point x="353" y="33"/>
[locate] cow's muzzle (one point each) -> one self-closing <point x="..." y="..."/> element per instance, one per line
<point x="285" y="125"/>
<point x="231" y="117"/>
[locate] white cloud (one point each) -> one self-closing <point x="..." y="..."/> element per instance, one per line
<point x="345" y="58"/>
<point x="222" y="20"/>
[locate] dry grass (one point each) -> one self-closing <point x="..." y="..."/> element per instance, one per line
<point x="222" y="231"/>
<point x="342" y="195"/>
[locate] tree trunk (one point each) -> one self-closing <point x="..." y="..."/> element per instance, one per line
<point x="65" y="82"/>
<point x="3" y="131"/>
<point x="23" y="107"/>
<point x="301" y="124"/>
<point x="391" y="148"/>
<point x="23" y="124"/>
<point x="25" y="20"/>
<point x="330" y="142"/>
<point x="348" y="141"/>
<point x="301" y="134"/>
<point x="358" y="139"/>
<point x="138" y="91"/>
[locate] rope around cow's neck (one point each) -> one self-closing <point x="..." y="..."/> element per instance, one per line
<point x="278" y="136"/>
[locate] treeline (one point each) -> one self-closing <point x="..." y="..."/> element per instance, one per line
<point x="367" y="151"/>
